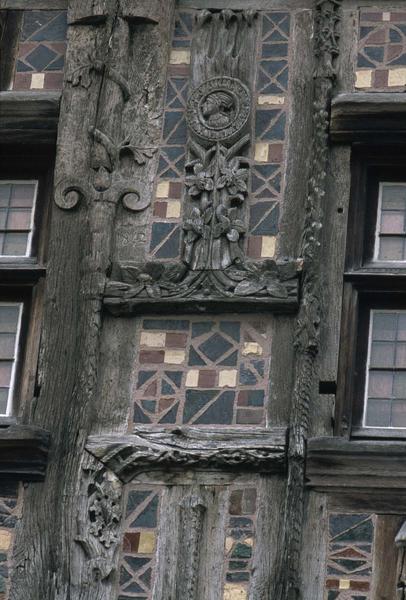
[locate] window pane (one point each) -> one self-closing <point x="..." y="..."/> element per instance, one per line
<point x="393" y="222"/>
<point x="399" y="413"/>
<point x="10" y="315"/>
<point x="393" y="196"/>
<point x="401" y="355"/>
<point x="382" y="354"/>
<point x="17" y="202"/>
<point x="380" y="384"/>
<point x="384" y="325"/>
<point x="378" y="413"/>
<point x="399" y="385"/>
<point x="391" y="248"/>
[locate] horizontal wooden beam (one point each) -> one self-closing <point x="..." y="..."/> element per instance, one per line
<point x="340" y="465"/>
<point x="20" y="272"/>
<point x="210" y="449"/>
<point x="360" y="117"/>
<point x="29" y="117"/>
<point x="23" y="452"/>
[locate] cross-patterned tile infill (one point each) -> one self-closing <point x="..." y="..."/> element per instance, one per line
<point x="381" y="62"/>
<point x="41" y="51"/>
<point x="202" y="371"/>
<point x="350" y="554"/>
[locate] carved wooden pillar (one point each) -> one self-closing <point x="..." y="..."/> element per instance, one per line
<point x="59" y="554"/>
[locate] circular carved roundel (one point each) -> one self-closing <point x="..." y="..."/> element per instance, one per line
<point x="219" y="108"/>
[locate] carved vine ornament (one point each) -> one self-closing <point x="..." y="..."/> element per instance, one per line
<point x="213" y="266"/>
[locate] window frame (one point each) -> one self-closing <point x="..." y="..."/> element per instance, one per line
<point x="368" y="285"/>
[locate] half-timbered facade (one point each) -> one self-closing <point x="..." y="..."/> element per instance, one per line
<point x="202" y="300"/>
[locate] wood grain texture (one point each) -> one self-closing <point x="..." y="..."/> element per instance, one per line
<point x="23" y="452"/>
<point x="27" y="117"/>
<point x="46" y="553"/>
<point x="34" y="4"/>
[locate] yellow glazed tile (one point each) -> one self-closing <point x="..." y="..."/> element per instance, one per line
<point x="147" y="542"/>
<point x="173" y="209"/>
<point x="228" y="378"/>
<point x="268" y="246"/>
<point x="249" y="542"/>
<point x="261" y="152"/>
<point x="5" y="539"/>
<point x="229" y="544"/>
<point x="344" y="584"/>
<point x="234" y="592"/>
<point x="37" y="81"/>
<point x="153" y="340"/>
<point x="251" y="348"/>
<point x="192" y="378"/>
<point x="363" y="79"/>
<point x="386" y="16"/>
<point x="174" y="357"/>
<point x="180" y="57"/>
<point x="271" y="99"/>
<point x="396" y="77"/>
<point x="162" y="190"/>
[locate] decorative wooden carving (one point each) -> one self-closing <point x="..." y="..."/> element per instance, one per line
<point x="211" y="449"/>
<point x="108" y="147"/>
<point x="214" y="271"/>
<point x="307" y="332"/>
<point x="99" y="520"/>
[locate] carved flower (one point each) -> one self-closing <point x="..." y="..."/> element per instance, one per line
<point x="263" y="276"/>
<point x="151" y="277"/>
<point x="228" y="224"/>
<point x="200" y="181"/>
<point x="233" y="178"/>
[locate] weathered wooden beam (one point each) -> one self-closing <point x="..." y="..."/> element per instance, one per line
<point x="360" y="117"/>
<point x="34" y="4"/>
<point x="27" y="117"/>
<point x="21" y="272"/>
<point x="337" y="464"/>
<point x="23" y="452"/>
<point x="214" y="449"/>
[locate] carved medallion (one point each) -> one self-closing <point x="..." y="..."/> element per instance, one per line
<point x="219" y="109"/>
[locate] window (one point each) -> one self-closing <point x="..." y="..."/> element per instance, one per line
<point x="10" y="325"/>
<point x="371" y="398"/>
<point x="17" y="206"/>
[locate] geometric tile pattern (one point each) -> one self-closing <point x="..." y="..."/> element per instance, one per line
<point x="350" y="554"/>
<point x="166" y="228"/>
<point x="8" y="519"/>
<point x="202" y="371"/>
<point x="139" y="542"/>
<point x="41" y="51"/>
<point x="270" y="132"/>
<point x="239" y="543"/>
<point x="381" y="62"/>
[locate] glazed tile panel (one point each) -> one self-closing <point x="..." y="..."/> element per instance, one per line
<point x="41" y="51"/>
<point x="140" y="542"/>
<point x="350" y="554"/>
<point x="239" y="542"/>
<point x="269" y="125"/>
<point x="381" y="62"/>
<point x="202" y="371"/>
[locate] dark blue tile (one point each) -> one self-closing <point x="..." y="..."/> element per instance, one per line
<point x="168" y="324"/>
<point x="283" y="78"/>
<point x="259" y="366"/>
<point x="375" y="53"/>
<point x="160" y="232"/>
<point x="240" y="522"/>
<point x="175" y="377"/>
<point x="21" y="67"/>
<point x="201" y="328"/>
<point x="264" y="119"/>
<point x="135" y="498"/>
<point x="263" y="219"/>
<point x="181" y="44"/>
<point x="232" y="329"/>
<point x="175" y="130"/>
<point x="40" y="57"/>
<point x="57" y="65"/>
<point x="170" y="417"/>
<point x="136" y="562"/>
<point x="54" y="31"/>
<point x="238" y="577"/>
<point x="247" y="377"/>
<point x="275" y="50"/>
<point x="274" y="35"/>
<point x="195" y="400"/>
<point x="215" y="347"/>
<point x="341" y="523"/>
<point x="149" y="405"/>
<point x="267" y="87"/>
<point x="166" y="389"/>
<point x="364" y="31"/>
<point x="171" y="248"/>
<point x="146" y="577"/>
<point x="230" y="361"/>
<point x="139" y="417"/>
<point x="276" y="132"/>
<point x="220" y="412"/>
<point x="134" y="588"/>
<point x="273" y="67"/>
<point x="195" y="360"/>
<point x="148" y="517"/>
<point x="364" y="62"/>
<point x="125" y="576"/>
<point x="143" y="376"/>
<point x="256" y="397"/>
<point x="395" y="36"/>
<point x="400" y="60"/>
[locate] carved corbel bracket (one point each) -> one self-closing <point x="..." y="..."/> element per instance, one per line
<point x="191" y="448"/>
